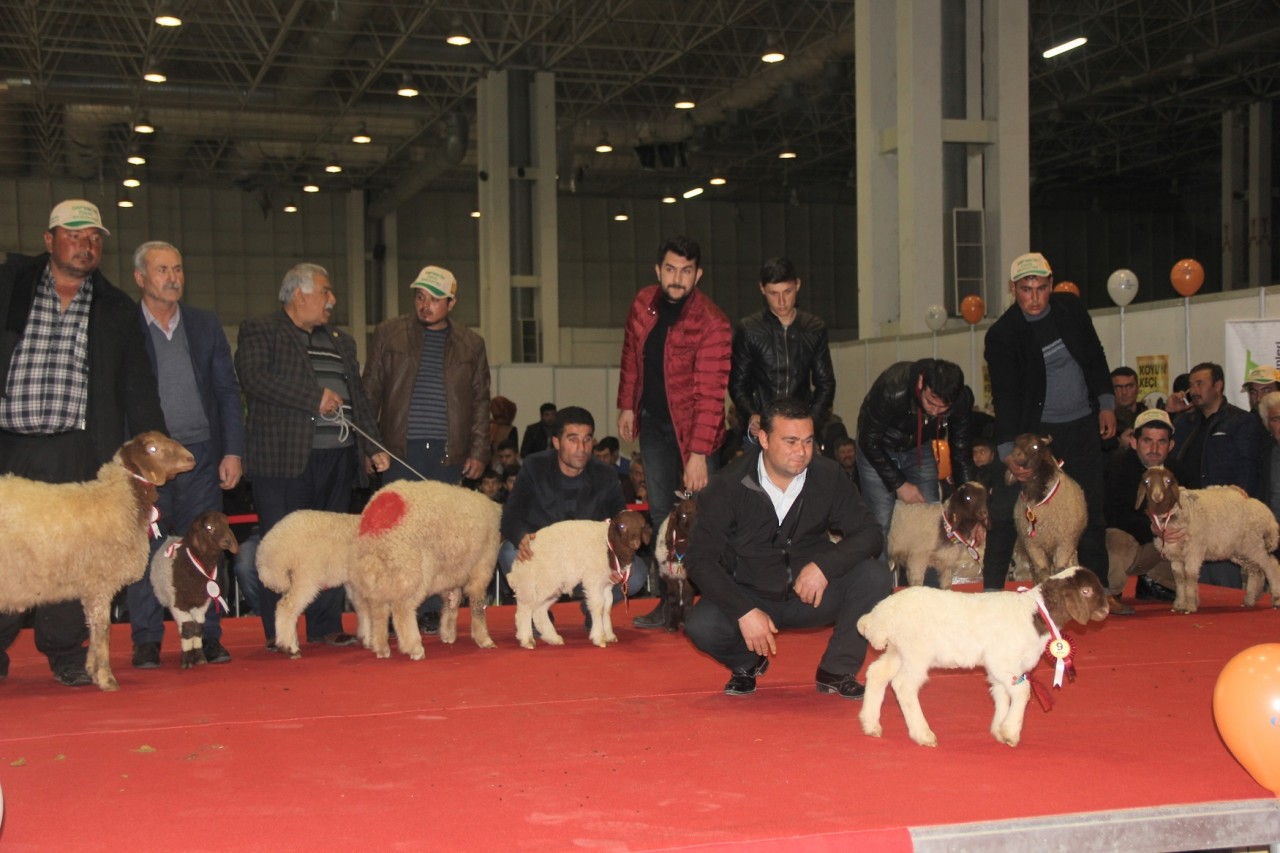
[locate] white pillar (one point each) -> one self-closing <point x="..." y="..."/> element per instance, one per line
<point x="492" y="159"/>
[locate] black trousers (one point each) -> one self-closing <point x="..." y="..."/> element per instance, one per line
<point x="1079" y="447"/>
<point x="845" y="600"/>
<point x="68" y="457"/>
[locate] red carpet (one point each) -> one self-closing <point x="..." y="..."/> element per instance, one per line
<point x="633" y="747"/>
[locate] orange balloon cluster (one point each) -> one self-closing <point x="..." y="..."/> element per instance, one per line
<point x="1187" y="275"/>
<point x="973" y="308"/>
<point x="1066" y="287"/>
<point x="1246" y="707"/>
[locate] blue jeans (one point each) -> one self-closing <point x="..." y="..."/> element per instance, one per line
<point x="916" y="464"/>
<point x="663" y="466"/>
<point x="427" y="458"/>
<point x="247" y="571"/>
<point x="179" y="501"/>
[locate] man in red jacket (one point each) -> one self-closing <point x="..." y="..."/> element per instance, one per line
<point x="675" y="369"/>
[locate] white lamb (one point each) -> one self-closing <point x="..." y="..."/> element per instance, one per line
<point x="568" y="553"/>
<point x="920" y="628"/>
<point x="417" y="539"/>
<point x="307" y="552"/>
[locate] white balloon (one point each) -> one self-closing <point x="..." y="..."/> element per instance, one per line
<point x="935" y="317"/>
<point x="1123" y="286"/>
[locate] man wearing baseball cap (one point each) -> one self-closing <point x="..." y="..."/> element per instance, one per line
<point x="1128" y="527"/>
<point x="428" y="380"/>
<point x="1049" y="375"/>
<point x="1258" y="383"/>
<point x="74" y="380"/>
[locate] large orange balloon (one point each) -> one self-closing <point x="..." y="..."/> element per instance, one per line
<point x="973" y="308"/>
<point x="1246" y="707"/>
<point x="1187" y="275"/>
<point x="1066" y="287"/>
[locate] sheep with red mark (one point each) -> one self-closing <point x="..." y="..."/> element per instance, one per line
<point x="948" y="538"/>
<point x="417" y="539"/>
<point x="307" y="552"/>
<point x="184" y="577"/>
<point x="85" y="541"/>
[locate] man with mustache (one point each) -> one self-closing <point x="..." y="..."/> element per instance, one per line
<point x="74" y="379"/>
<point x="201" y="399"/>
<point x="675" y="369"/>
<point x="299" y="374"/>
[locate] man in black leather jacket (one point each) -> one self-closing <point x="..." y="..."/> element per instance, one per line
<point x="909" y="405"/>
<point x="780" y="352"/>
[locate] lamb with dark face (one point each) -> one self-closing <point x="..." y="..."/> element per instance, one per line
<point x="1050" y="514"/>
<point x="184" y="577"/>
<point x="673" y="543"/>
<point x="948" y="538"/>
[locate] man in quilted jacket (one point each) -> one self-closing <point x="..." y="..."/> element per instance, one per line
<point x="675" y="369"/>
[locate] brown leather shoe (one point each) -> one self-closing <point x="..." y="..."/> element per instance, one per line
<point x="1117" y="607"/>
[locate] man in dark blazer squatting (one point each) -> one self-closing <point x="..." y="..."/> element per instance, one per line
<point x="762" y="558"/>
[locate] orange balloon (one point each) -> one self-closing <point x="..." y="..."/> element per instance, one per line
<point x="1066" y="287"/>
<point x="973" y="308"/>
<point x="1246" y="707"/>
<point x="1187" y="275"/>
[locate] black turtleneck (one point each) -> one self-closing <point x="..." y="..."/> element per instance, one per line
<point x="653" y="397"/>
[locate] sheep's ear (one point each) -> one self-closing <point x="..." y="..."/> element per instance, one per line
<point x="1046" y="440"/>
<point x="1080" y="600"/>
<point x="646" y="535"/>
<point x="1142" y="494"/>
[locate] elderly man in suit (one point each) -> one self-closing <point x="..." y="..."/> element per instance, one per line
<point x="299" y="375"/>
<point x="201" y="400"/>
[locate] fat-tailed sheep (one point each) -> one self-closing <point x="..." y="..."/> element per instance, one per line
<point x="184" y="576"/>
<point x="1050" y="513"/>
<point x="85" y="540"/>
<point x="422" y="538"/>
<point x="946" y="537"/>
<point x="1215" y="523"/>
<point x="921" y="628"/>
<point x="307" y="552"/>
<point x="596" y="554"/>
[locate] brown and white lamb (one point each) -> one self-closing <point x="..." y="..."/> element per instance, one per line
<point x="88" y="540"/>
<point x="307" y="552"/>
<point x="184" y="576"/>
<point x="596" y="554"/>
<point x="920" y="628"/>
<point x="1218" y="523"/>
<point x="1050" y="513"/>
<point x="950" y="537"/>
<point x="669" y="551"/>
<point x="417" y="539"/>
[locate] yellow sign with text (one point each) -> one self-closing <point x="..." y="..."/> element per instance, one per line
<point x="1153" y="375"/>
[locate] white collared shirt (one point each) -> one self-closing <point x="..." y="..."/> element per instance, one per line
<point x="782" y="499"/>
<point x="152" y="321"/>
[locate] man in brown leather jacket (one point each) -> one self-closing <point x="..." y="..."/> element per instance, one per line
<point x="428" y="380"/>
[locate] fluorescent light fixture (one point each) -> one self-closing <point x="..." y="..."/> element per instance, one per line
<point x="131" y="182"/>
<point x="166" y="16"/>
<point x="621" y="216"/>
<point x="669" y="199"/>
<point x="787" y="152"/>
<point x="136" y="159"/>
<point x="310" y="188"/>
<point x="155" y="75"/>
<point x="693" y="193"/>
<point x="333" y="167"/>
<point x="1064" y="47"/>
<point x="143" y="125"/>
<point x="603" y="146"/>
<point x="718" y="180"/>
<point x="407" y="89"/>
<point x="475" y="214"/>
<point x="773" y="56"/>
<point x="361" y="136"/>
<point x="684" y="102"/>
<point x="290" y="208"/>
<point x="458" y="36"/>
<point x="125" y="202"/>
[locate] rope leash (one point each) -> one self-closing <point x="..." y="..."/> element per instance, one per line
<point x="345" y="427"/>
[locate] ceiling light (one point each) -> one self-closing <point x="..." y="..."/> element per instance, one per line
<point x="693" y="193"/>
<point x="787" y="152"/>
<point x="131" y="182"/>
<point x="155" y="75"/>
<point x="717" y="180"/>
<point x="603" y="146"/>
<point x="143" y="125"/>
<point x="407" y="89"/>
<point x="771" y="53"/>
<point x="620" y="216"/>
<point x="333" y="167"/>
<point x="310" y="188"/>
<point x="136" y="159"/>
<point x="475" y="214"/>
<point x="125" y="201"/>
<point x="1064" y="47"/>
<point x="684" y="102"/>
<point x="457" y="35"/>
<point x="668" y="198"/>
<point x="290" y="208"/>
<point x="166" y="16"/>
<point x="361" y="136"/>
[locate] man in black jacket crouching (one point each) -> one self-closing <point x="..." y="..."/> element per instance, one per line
<point x="762" y="557"/>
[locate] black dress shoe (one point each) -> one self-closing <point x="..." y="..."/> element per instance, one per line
<point x="743" y="681"/>
<point x="429" y="623"/>
<point x="146" y="656"/>
<point x="657" y="618"/>
<point x="337" y="638"/>
<point x="215" y="652"/>
<point x="1149" y="590"/>
<point x="74" y="674"/>
<point x="846" y="685"/>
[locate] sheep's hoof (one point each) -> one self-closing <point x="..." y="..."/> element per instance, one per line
<point x="486" y="644"/>
<point x="553" y="639"/>
<point x="527" y="644"/>
<point x="612" y="638"/>
<point x="872" y="730"/>
<point x="416" y="654"/>
<point x="926" y="739"/>
<point x="108" y="684"/>
<point x="294" y="654"/>
<point x="382" y="653"/>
